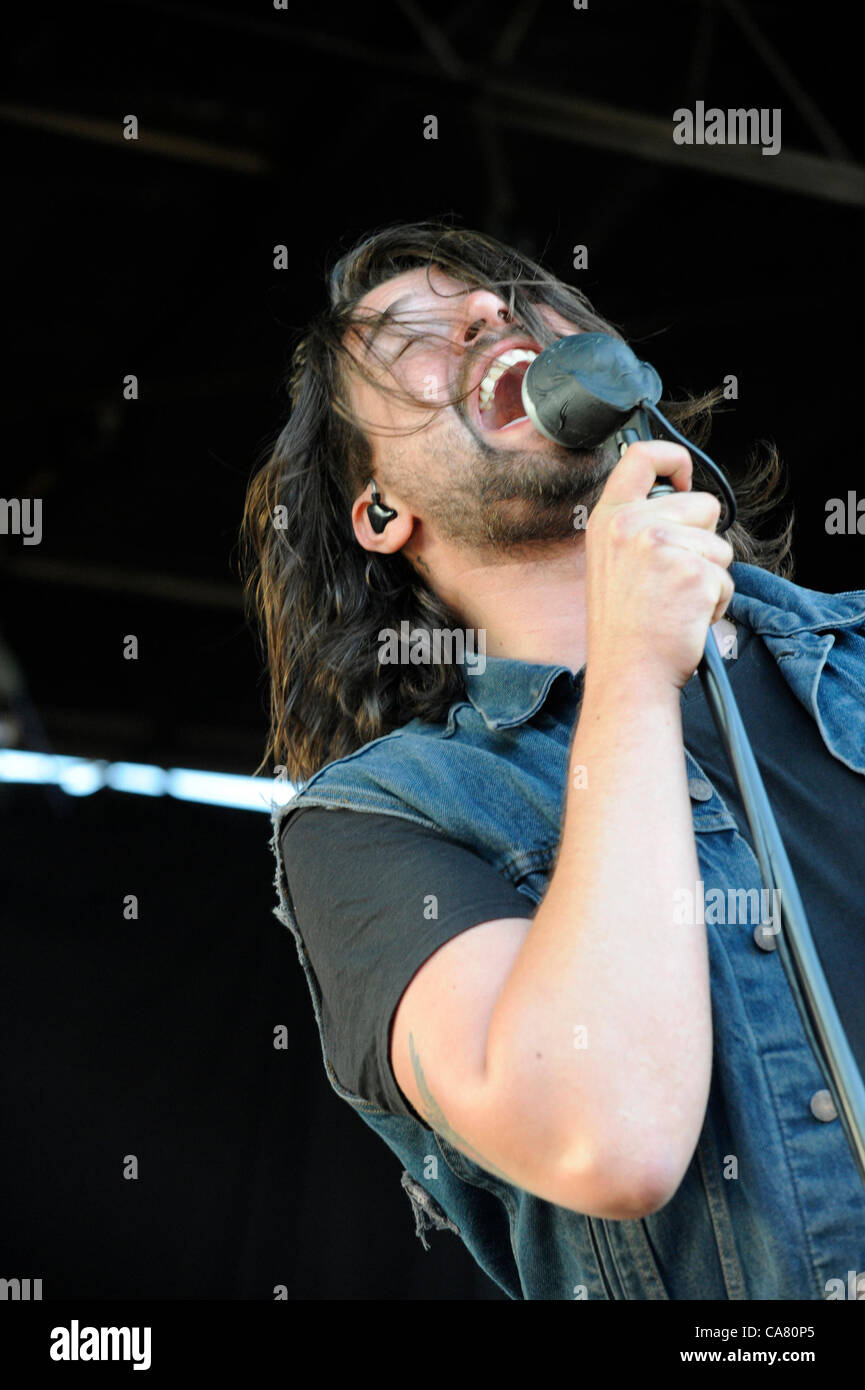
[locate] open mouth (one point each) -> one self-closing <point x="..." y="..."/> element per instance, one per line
<point x="500" y="399"/>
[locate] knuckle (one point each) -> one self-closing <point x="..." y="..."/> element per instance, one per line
<point x="690" y="568"/>
<point x="650" y="537"/>
<point x="621" y="524"/>
<point x="703" y="578"/>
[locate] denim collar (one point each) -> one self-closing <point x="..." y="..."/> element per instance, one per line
<point x="777" y="607"/>
<point x="509" y="691"/>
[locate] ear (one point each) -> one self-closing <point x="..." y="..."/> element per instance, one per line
<point x="396" y="532"/>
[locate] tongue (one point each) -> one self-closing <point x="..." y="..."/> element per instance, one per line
<point x="507" y="402"/>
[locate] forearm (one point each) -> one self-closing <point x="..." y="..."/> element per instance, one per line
<point x="603" y="1027"/>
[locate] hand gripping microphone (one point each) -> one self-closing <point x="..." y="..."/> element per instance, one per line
<point x="579" y="392"/>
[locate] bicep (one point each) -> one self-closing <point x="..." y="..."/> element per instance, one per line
<point x="438" y="1056"/>
<point x="440" y="1027"/>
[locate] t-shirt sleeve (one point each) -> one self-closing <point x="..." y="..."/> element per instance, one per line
<point x="374" y="896"/>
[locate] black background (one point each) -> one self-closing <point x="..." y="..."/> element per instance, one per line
<point x="304" y="127"/>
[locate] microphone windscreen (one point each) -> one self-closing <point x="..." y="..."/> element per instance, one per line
<point x="580" y="390"/>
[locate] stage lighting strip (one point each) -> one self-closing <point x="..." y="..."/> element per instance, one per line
<point x="83" y="777"/>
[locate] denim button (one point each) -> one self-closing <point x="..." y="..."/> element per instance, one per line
<point x="699" y="789"/>
<point x="765" y="937"/>
<point x="823" y="1106"/>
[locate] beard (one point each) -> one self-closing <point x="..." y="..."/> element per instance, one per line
<point x="479" y="497"/>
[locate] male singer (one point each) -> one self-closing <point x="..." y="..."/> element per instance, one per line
<point x="523" y="888"/>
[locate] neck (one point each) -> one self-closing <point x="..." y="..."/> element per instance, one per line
<point x="531" y="603"/>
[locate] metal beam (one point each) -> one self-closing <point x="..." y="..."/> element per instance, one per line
<point x="434" y="39"/>
<point x="512" y="31"/>
<point x="182" y="147"/>
<point x="600" y="126"/>
<point x="520" y="106"/>
<point x="808" y="109"/>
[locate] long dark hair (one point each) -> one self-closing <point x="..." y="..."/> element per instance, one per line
<point x="320" y="598"/>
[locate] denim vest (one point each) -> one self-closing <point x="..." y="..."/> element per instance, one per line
<point x="771" y="1206"/>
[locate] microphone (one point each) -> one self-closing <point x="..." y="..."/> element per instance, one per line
<point x="585" y="387"/>
<point x="589" y="386"/>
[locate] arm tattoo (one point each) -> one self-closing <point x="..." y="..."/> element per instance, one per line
<point x="436" y="1117"/>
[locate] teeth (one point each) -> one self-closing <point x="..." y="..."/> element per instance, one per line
<point x="498" y="368"/>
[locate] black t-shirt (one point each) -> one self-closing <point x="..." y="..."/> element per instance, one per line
<point x="364" y="887"/>
<point x="374" y="897"/>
